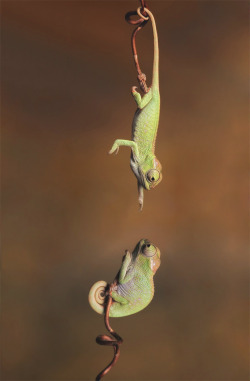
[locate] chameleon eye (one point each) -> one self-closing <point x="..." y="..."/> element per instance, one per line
<point x="153" y="175"/>
<point x="148" y="250"/>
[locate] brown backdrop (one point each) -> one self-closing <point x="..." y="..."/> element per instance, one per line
<point x="70" y="210"/>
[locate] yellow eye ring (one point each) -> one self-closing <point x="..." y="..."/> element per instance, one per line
<point x="153" y="175"/>
<point x="148" y="250"/>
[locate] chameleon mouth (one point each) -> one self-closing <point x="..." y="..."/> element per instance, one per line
<point x="139" y="175"/>
<point x="142" y="179"/>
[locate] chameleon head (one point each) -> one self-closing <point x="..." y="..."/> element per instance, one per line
<point x="148" y="253"/>
<point x="153" y="175"/>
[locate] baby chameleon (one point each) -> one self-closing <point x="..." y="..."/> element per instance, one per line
<point x="143" y="161"/>
<point x="135" y="287"/>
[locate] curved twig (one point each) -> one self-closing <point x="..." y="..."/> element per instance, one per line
<point x="108" y="340"/>
<point x="140" y="24"/>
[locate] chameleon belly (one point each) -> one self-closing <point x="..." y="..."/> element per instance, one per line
<point x="138" y="293"/>
<point x="145" y="125"/>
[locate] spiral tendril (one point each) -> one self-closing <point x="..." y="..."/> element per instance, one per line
<point x="114" y="341"/>
<point x="140" y="23"/>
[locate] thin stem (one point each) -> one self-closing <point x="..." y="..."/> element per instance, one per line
<point x="140" y="24"/>
<point x="108" y="340"/>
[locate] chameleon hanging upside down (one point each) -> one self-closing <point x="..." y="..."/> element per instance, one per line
<point x="143" y="162"/>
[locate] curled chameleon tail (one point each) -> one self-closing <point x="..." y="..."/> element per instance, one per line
<point x="130" y="292"/>
<point x="97" y="296"/>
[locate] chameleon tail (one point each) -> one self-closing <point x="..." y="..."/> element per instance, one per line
<point x="155" y="75"/>
<point x="97" y="295"/>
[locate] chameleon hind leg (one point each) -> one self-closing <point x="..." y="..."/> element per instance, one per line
<point x="128" y="143"/>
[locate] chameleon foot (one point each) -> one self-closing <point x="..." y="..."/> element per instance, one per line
<point x="126" y="143"/>
<point x="115" y="148"/>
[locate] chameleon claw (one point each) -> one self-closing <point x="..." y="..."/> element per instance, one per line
<point x="112" y="287"/>
<point x="134" y="89"/>
<point x="115" y="149"/>
<point x="140" y="204"/>
<point x="140" y="199"/>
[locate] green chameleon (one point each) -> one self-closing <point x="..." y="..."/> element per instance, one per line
<point x="143" y="162"/>
<point x="133" y="288"/>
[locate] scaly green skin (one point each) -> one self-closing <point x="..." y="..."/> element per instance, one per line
<point x="144" y="163"/>
<point x="135" y="286"/>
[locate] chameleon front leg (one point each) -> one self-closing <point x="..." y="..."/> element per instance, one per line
<point x="124" y="273"/>
<point x="124" y="276"/>
<point x="128" y="143"/>
<point x="141" y="101"/>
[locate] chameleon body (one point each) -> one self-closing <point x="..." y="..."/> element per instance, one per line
<point x="143" y="162"/>
<point x="134" y="286"/>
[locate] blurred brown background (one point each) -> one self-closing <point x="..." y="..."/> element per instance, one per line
<point x="70" y="210"/>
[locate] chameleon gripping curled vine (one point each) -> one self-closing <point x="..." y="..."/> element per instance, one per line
<point x="134" y="286"/>
<point x="143" y="162"/>
<point x="130" y="292"/>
